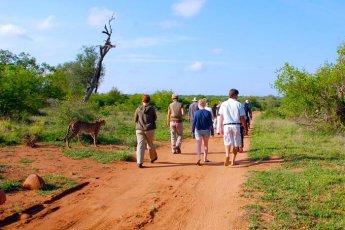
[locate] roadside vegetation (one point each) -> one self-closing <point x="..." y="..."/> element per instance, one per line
<point x="306" y="191"/>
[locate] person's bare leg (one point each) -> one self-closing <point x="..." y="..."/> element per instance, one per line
<point x="227" y="157"/>
<point x="234" y="149"/>
<point x="205" y="148"/>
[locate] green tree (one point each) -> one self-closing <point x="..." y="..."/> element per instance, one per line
<point x="23" y="84"/>
<point x="79" y="73"/>
<point x="21" y="92"/>
<point x="319" y="98"/>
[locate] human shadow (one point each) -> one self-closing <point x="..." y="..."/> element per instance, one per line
<point x="248" y="163"/>
<point x="194" y="153"/>
<point x="165" y="164"/>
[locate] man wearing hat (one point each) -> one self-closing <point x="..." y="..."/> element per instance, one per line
<point x="192" y="108"/>
<point x="174" y="121"/>
<point x="249" y="114"/>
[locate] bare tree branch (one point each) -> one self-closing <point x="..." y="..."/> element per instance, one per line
<point x="103" y="50"/>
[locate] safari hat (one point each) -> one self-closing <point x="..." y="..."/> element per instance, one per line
<point x="174" y="96"/>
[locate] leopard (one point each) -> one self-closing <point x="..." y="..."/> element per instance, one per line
<point x="76" y="128"/>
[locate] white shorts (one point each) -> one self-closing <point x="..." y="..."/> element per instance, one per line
<point x="232" y="135"/>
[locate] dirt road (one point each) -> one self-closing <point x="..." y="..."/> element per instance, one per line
<point x="172" y="193"/>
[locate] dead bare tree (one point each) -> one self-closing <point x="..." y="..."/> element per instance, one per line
<point x="103" y="50"/>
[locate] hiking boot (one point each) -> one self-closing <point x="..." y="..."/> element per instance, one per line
<point x="227" y="161"/>
<point x="178" y="150"/>
<point x="140" y="165"/>
<point x="154" y="159"/>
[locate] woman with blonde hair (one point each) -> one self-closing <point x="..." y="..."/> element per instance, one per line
<point x="202" y="128"/>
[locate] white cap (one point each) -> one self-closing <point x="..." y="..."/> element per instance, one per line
<point x="247" y="101"/>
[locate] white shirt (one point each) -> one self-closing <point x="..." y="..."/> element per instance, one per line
<point x="232" y="110"/>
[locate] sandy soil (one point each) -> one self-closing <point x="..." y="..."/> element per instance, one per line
<point x="172" y="193"/>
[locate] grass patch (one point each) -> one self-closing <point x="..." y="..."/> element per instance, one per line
<point x="26" y="160"/>
<point x="99" y="155"/>
<point x="307" y="191"/>
<point x="54" y="183"/>
<point x="11" y="185"/>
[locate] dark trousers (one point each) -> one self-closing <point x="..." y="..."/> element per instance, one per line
<point x="242" y="136"/>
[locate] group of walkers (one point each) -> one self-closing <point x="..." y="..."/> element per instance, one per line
<point x="230" y="118"/>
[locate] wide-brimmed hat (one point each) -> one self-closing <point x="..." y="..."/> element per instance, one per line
<point x="194" y="99"/>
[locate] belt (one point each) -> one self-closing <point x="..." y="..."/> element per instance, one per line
<point x="232" y="124"/>
<point x="176" y="121"/>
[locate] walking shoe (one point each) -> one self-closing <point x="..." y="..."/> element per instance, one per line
<point x="227" y="161"/>
<point x="140" y="165"/>
<point x="154" y="159"/>
<point x="198" y="163"/>
<point x="178" y="150"/>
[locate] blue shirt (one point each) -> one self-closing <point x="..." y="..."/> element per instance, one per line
<point x="202" y="121"/>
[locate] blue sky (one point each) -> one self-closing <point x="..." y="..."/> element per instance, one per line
<point x="187" y="46"/>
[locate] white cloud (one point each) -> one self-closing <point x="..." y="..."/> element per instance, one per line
<point x="13" y="31"/>
<point x="99" y="16"/>
<point x="217" y="51"/>
<point x="187" y="8"/>
<point x="169" y="24"/>
<point x="195" y="67"/>
<point x="46" y="23"/>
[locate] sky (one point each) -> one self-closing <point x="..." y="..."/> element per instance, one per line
<point x="187" y="46"/>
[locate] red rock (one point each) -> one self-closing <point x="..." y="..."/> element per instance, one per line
<point x="33" y="182"/>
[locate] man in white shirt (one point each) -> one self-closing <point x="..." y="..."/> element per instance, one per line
<point x="232" y="114"/>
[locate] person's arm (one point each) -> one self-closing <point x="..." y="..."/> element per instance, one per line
<point x="244" y="124"/>
<point x="168" y="116"/>
<point x="211" y="124"/>
<point x="154" y="114"/>
<point x="221" y="119"/>
<point x="189" y="112"/>
<point x="243" y="118"/>
<point x="136" y="116"/>
<point x="193" y="126"/>
<point x="182" y="111"/>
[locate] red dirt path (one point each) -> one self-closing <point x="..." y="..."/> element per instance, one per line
<point x="172" y="193"/>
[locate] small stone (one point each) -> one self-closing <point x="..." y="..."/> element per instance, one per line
<point x="24" y="216"/>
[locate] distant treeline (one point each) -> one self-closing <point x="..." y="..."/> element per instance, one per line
<point x="37" y="101"/>
<point x="26" y="87"/>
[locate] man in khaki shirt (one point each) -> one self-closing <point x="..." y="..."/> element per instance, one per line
<point x="174" y="121"/>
